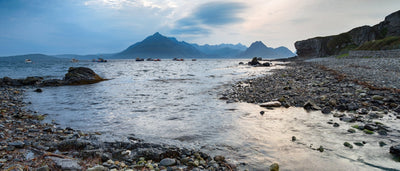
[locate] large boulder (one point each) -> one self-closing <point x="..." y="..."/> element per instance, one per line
<point x="81" y="75"/>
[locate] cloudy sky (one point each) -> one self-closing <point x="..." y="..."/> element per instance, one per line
<point x="108" y="26"/>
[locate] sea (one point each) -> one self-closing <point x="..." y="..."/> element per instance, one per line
<point x="178" y="103"/>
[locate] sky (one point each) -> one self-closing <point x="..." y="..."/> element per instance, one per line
<point x="109" y="26"/>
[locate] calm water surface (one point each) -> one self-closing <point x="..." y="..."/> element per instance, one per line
<point x="177" y="103"/>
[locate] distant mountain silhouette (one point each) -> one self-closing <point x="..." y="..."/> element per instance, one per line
<point x="221" y="50"/>
<point x="259" y="49"/>
<point x="84" y="57"/>
<point x="33" y="57"/>
<point x="159" y="46"/>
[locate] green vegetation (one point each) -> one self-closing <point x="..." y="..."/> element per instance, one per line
<point x="368" y="131"/>
<point x="382" y="44"/>
<point x="339" y="40"/>
<point x="355" y="126"/>
<point x="342" y="56"/>
<point x="347" y="144"/>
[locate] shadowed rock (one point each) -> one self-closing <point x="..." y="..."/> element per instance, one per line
<point x="81" y="75"/>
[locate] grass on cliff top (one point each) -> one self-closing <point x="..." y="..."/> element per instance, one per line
<point x="382" y="44"/>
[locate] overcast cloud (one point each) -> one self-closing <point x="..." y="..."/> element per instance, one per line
<point x="107" y="26"/>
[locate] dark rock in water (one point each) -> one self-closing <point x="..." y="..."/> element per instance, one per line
<point x="336" y="124"/>
<point x="274" y="167"/>
<point x="262" y="112"/>
<point x="81" y="75"/>
<point x="348" y="119"/>
<point x="347" y="144"/>
<point x="395" y="150"/>
<point x="38" y="90"/>
<point x="254" y="62"/>
<point x="351" y="130"/>
<point x="358" y="144"/>
<point x="381" y="144"/>
<point x="309" y="105"/>
<point x="397" y="109"/>
<point x="52" y="82"/>
<point x="267" y="64"/>
<point x="294" y="138"/>
<point x="32" y="80"/>
<point x="382" y="132"/>
<point x="241" y="63"/>
<point x="326" y="110"/>
<point x="321" y="149"/>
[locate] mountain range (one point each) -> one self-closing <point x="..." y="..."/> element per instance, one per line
<point x="159" y="46"/>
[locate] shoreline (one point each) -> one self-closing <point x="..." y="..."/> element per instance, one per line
<point x="300" y="82"/>
<point x="29" y="144"/>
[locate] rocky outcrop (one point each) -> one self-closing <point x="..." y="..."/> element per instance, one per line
<point x="81" y="75"/>
<point x="342" y="43"/>
<point x="75" y="76"/>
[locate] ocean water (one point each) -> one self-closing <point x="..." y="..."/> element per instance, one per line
<point x="178" y="103"/>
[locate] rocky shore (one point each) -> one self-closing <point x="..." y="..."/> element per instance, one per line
<point x="28" y="144"/>
<point x="356" y="90"/>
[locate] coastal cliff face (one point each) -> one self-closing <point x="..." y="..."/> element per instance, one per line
<point x="337" y="44"/>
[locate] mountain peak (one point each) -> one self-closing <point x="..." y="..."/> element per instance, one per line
<point x="158" y="34"/>
<point x="258" y="44"/>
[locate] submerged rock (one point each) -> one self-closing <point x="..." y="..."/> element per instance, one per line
<point x="395" y="150"/>
<point x="274" y="167"/>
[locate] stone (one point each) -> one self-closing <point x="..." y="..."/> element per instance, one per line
<point x="167" y="162"/>
<point x="31" y="80"/>
<point x="262" y="112"/>
<point x="267" y="64"/>
<point x="17" y="144"/>
<point x="362" y="111"/>
<point x="352" y="106"/>
<point x="219" y="158"/>
<point x="72" y="144"/>
<point x="347" y="144"/>
<point x="66" y="164"/>
<point x="326" y="110"/>
<point x="397" y="109"/>
<point x="351" y="130"/>
<point x="98" y="168"/>
<point x="381" y="143"/>
<point x="294" y="138"/>
<point x="254" y="62"/>
<point x="271" y="104"/>
<point x="309" y="105"/>
<point x="81" y="75"/>
<point x="377" y="97"/>
<point x="38" y="90"/>
<point x="358" y="144"/>
<point x="336" y="124"/>
<point x="274" y="167"/>
<point x="321" y="149"/>
<point x="395" y="150"/>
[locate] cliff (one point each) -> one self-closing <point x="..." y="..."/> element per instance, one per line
<point x="342" y="43"/>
